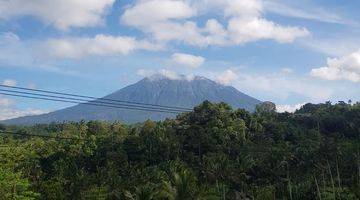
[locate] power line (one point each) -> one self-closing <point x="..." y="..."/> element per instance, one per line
<point x="89" y="103"/>
<point x="95" y="98"/>
<point x="85" y="101"/>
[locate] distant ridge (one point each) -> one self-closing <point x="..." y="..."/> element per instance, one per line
<point x="179" y="91"/>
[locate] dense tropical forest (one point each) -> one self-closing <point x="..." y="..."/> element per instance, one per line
<point x="214" y="152"/>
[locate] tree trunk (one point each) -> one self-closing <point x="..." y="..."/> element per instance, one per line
<point x="338" y="175"/>
<point x="317" y="187"/>
<point x="331" y="179"/>
<point x="289" y="184"/>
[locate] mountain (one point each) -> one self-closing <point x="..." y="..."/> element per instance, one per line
<point x="157" y="89"/>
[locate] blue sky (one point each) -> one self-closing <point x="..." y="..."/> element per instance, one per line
<point x="288" y="52"/>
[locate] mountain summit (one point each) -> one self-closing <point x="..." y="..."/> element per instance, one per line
<point x="179" y="91"/>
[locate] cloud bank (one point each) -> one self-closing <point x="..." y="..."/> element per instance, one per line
<point x="101" y="45"/>
<point x="227" y="77"/>
<point x="342" y="68"/>
<point x="288" y="108"/>
<point x="8" y="109"/>
<point x="187" y="60"/>
<point x="62" y="14"/>
<point x="169" y="20"/>
<point x="9" y="82"/>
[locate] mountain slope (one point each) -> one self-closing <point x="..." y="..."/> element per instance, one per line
<point x="153" y="90"/>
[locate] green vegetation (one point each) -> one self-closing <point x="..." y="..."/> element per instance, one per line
<point x="213" y="152"/>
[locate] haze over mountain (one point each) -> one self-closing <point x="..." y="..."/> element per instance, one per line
<point x="157" y="89"/>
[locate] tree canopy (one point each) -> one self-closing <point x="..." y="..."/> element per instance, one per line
<point x="213" y="152"/>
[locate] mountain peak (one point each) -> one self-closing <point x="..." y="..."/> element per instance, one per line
<point x="158" y="89"/>
<point x="178" y="77"/>
<point x="172" y="76"/>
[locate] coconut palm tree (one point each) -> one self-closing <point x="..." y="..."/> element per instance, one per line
<point x="145" y="192"/>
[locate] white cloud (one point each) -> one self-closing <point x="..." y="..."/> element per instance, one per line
<point x="169" y="74"/>
<point x="289" y="108"/>
<point x="227" y="77"/>
<point x="43" y="55"/>
<point x="99" y="45"/>
<point x="15" y="52"/>
<point x="187" y="60"/>
<point x="10" y="113"/>
<point x="333" y="46"/>
<point x="63" y="14"/>
<point x="303" y="11"/>
<point x="145" y="13"/>
<point x="161" y="19"/>
<point x="9" y="82"/>
<point x="11" y="48"/>
<point x="145" y="72"/>
<point x="279" y="87"/>
<point x="8" y="38"/>
<point x="8" y="109"/>
<point x="249" y="30"/>
<point x="5" y="102"/>
<point x="342" y="68"/>
<point x="287" y="70"/>
<point x="245" y="22"/>
<point x="282" y="88"/>
<point x="163" y="73"/>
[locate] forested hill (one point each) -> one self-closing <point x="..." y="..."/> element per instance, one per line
<point x="214" y="152"/>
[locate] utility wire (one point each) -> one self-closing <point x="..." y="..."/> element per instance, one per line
<point x="89" y="103"/>
<point x="86" y="101"/>
<point x="94" y="98"/>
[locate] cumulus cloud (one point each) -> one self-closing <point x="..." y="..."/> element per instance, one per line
<point x="245" y="22"/>
<point x="9" y="82"/>
<point x="10" y="113"/>
<point x="250" y="30"/>
<point x="25" y="54"/>
<point x="342" y="68"/>
<point x="42" y="54"/>
<point x="169" y="74"/>
<point x="161" y="19"/>
<point x="78" y="47"/>
<point x="8" y="109"/>
<point x="277" y="86"/>
<point x="145" y="13"/>
<point x="145" y="72"/>
<point x="288" y="108"/>
<point x="62" y="14"/>
<point x="187" y="60"/>
<point x="227" y="77"/>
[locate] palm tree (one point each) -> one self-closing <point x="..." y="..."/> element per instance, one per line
<point x="184" y="186"/>
<point x="181" y="187"/>
<point x="145" y="192"/>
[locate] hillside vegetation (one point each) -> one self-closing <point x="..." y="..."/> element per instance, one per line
<point x="214" y="152"/>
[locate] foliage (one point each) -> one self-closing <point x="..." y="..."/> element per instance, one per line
<point x="12" y="186"/>
<point x="214" y="152"/>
